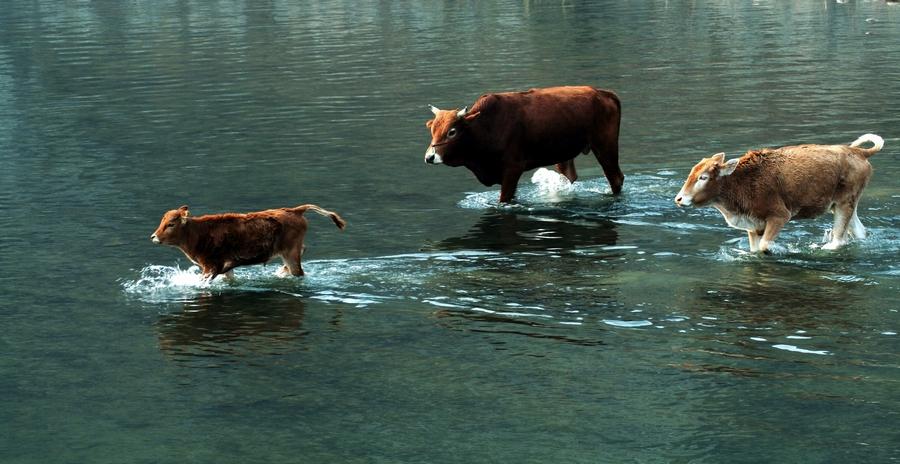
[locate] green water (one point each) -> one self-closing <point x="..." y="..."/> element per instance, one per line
<point x="573" y="327"/>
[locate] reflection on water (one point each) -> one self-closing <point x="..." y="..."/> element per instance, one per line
<point x="230" y="325"/>
<point x="511" y="231"/>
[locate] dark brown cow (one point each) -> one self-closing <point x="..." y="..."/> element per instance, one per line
<point x="218" y="243"/>
<point x="764" y="189"/>
<point x="506" y="134"/>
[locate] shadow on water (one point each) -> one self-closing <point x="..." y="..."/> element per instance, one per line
<point x="513" y="231"/>
<point x="230" y="325"/>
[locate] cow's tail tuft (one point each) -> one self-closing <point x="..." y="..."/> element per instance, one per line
<point x="877" y="144"/>
<point x="338" y="220"/>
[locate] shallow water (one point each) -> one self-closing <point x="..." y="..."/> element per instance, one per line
<point x="574" y="326"/>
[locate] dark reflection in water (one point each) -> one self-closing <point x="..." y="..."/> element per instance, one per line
<point x="764" y="291"/>
<point x="503" y="325"/>
<point x="233" y="324"/>
<point x="509" y="231"/>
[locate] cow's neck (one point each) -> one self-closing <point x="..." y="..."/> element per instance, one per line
<point x="193" y="230"/>
<point x="731" y="193"/>
<point x="487" y="172"/>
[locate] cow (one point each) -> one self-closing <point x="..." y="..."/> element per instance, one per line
<point x="218" y="243"/>
<point x="764" y="189"/>
<point x="506" y="134"/>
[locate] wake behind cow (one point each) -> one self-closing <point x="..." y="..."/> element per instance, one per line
<point x="218" y="243"/>
<point x="506" y="134"/>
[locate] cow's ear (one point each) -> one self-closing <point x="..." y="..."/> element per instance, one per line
<point x="718" y="158"/>
<point x="184" y="213"/>
<point x="729" y="167"/>
<point x="428" y="123"/>
<point x="469" y="117"/>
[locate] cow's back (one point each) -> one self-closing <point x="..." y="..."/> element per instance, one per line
<point x="251" y="238"/>
<point x="806" y="178"/>
<point x="550" y="125"/>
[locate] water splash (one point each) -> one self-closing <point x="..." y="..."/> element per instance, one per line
<point x="158" y="283"/>
<point x="551" y="183"/>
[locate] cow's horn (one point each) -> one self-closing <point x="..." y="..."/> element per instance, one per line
<point x="462" y="113"/>
<point x="434" y="109"/>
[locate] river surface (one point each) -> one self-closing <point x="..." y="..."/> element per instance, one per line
<point x="574" y="326"/>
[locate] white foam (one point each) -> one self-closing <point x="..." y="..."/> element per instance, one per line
<point x="510" y="314"/>
<point x="167" y="283"/>
<point x="801" y="350"/>
<point x="627" y="324"/>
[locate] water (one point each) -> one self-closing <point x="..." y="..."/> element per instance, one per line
<point x="439" y="327"/>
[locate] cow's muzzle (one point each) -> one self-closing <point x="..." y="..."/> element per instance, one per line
<point x="432" y="157"/>
<point x="154" y="238"/>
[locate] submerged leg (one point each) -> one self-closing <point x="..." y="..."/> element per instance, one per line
<point x="567" y="168"/>
<point x="856" y="226"/>
<point x="842" y="217"/>
<point x="509" y="184"/>
<point x="291" y="259"/>
<point x="753" y="236"/>
<point x="608" y="157"/>
<point x="773" y="227"/>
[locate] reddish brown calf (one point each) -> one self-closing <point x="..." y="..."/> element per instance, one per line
<point x="218" y="243"/>
<point x="764" y="189"/>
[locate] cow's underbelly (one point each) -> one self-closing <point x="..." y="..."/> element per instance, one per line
<point x="742" y="221"/>
<point x="554" y="151"/>
<point x="810" y="211"/>
<point x="260" y="257"/>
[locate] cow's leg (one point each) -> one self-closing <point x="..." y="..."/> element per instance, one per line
<point x="856" y="226"/>
<point x="753" y="236"/>
<point x="567" y="168"/>
<point x="509" y="184"/>
<point x="210" y="272"/>
<point x="291" y="259"/>
<point x="774" y="225"/>
<point x="607" y="155"/>
<point x="843" y="214"/>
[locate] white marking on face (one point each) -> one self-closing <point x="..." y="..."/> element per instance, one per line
<point x="687" y="197"/>
<point x="432" y="156"/>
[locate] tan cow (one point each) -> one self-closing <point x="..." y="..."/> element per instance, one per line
<point x="764" y="189"/>
<point x="218" y="243"/>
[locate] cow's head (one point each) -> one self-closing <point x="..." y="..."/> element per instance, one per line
<point x="170" y="227"/>
<point x="448" y="129"/>
<point x="704" y="182"/>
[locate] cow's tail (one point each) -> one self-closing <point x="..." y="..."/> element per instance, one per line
<point x="877" y="144"/>
<point x="338" y="220"/>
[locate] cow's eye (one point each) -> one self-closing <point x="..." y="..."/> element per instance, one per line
<point x="451" y="133"/>
<point x="171" y="224"/>
<point x="704" y="177"/>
